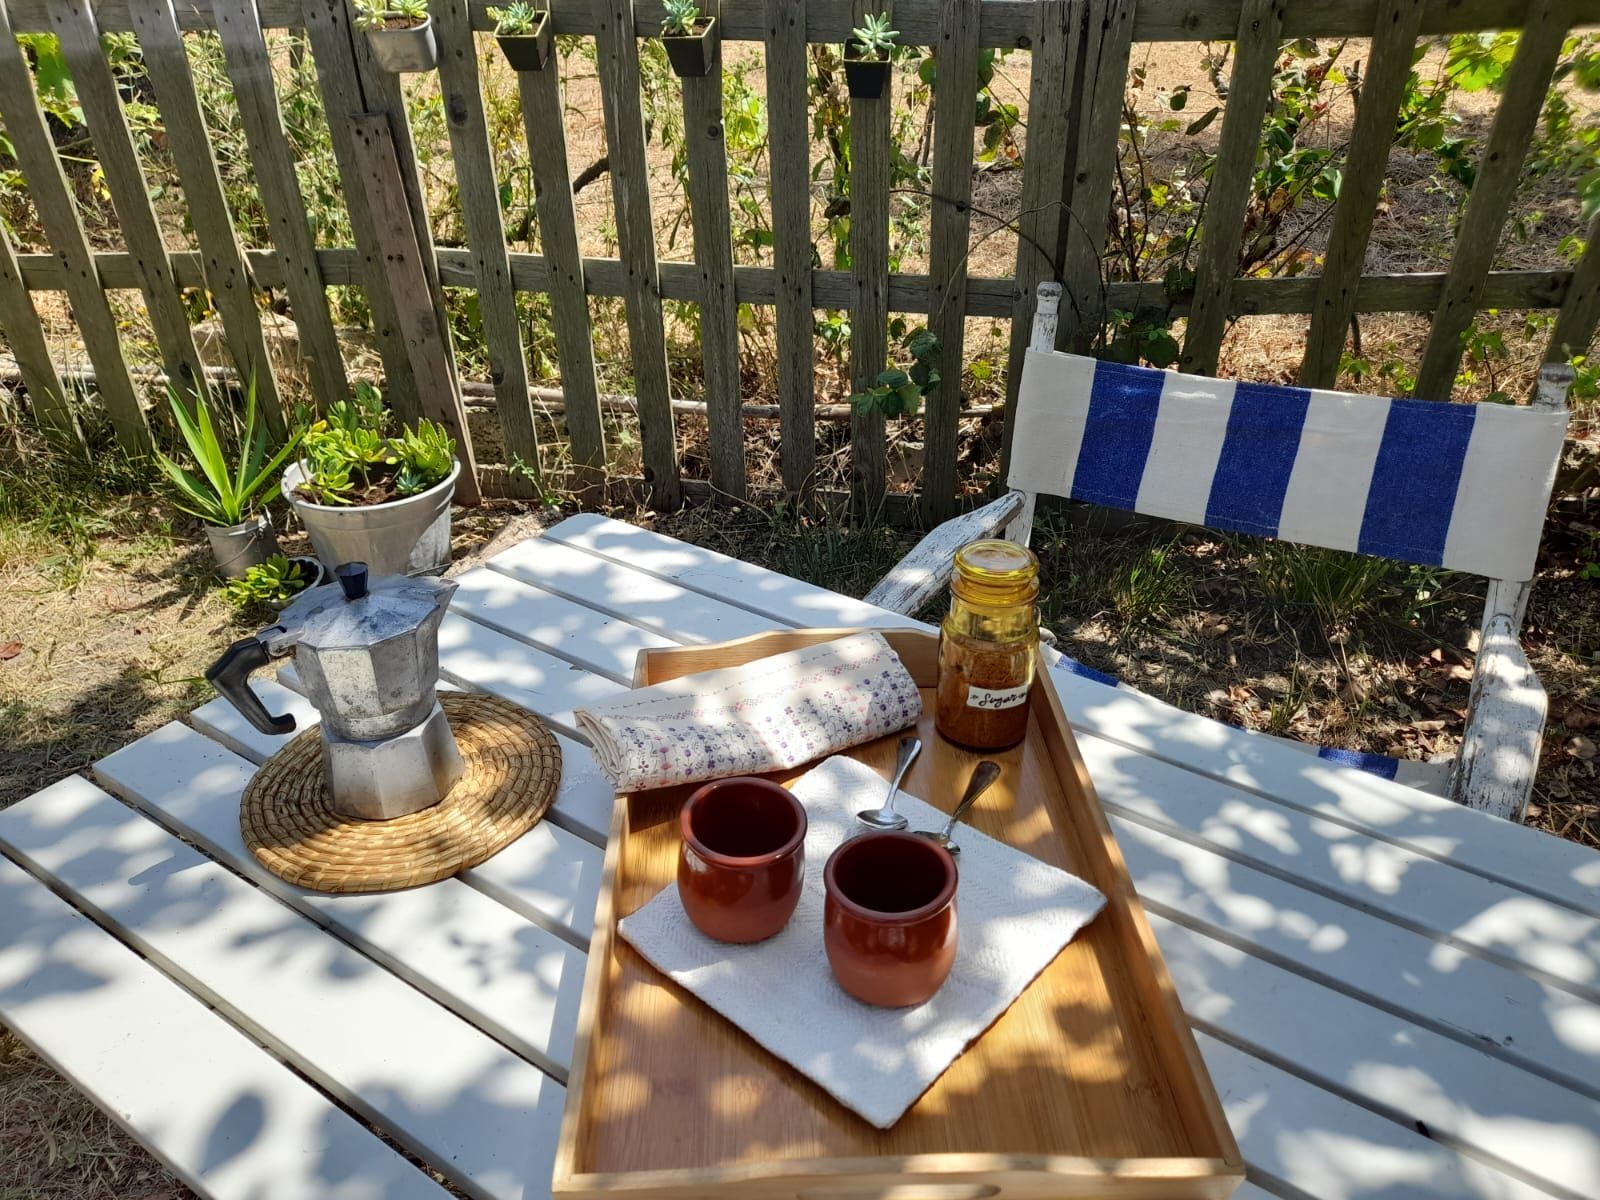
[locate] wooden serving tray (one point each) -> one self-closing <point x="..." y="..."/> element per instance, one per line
<point x="1089" y="1085"/>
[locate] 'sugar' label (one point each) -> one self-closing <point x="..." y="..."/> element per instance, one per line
<point x="996" y="698"/>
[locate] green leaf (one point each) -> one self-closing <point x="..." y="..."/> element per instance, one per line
<point x="1203" y="121"/>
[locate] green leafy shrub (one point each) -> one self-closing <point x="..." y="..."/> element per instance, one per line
<point x="220" y="494"/>
<point x="897" y="392"/>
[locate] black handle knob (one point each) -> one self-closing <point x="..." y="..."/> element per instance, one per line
<point x="230" y="675"/>
<point x="353" y="579"/>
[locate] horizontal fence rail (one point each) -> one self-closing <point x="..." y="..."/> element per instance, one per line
<point x="1081" y="55"/>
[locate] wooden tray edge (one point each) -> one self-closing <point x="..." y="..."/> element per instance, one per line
<point x="1023" y="1170"/>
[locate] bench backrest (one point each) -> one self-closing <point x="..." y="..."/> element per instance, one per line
<point x="1463" y="486"/>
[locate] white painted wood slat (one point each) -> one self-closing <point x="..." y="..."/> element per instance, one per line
<point x="563" y="627"/>
<point x="1543" y="1029"/>
<point x="1456" y="907"/>
<point x="1526" y="858"/>
<point x="520" y="983"/>
<point x="679" y="613"/>
<point x="1300" y="1140"/>
<point x="442" y="1088"/>
<point x="226" y="1117"/>
<point x="1527" y="1126"/>
<point x="474" y="655"/>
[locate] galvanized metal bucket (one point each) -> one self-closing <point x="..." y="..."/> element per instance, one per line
<point x="237" y="548"/>
<point x="410" y="536"/>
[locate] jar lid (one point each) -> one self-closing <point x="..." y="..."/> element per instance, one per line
<point x="994" y="571"/>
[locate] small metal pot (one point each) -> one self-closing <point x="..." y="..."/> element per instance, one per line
<point x="528" y="51"/>
<point x="409" y="536"/>
<point x="411" y="48"/>
<point x="316" y="575"/>
<point x="692" y="54"/>
<point x="237" y="548"/>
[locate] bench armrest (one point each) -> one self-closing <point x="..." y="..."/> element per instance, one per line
<point x="1505" y="727"/>
<point x="923" y="573"/>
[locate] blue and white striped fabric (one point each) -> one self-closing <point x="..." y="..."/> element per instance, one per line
<point x="1455" y="485"/>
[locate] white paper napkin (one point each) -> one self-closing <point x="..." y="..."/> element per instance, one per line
<point x="773" y="713"/>
<point x="1013" y="912"/>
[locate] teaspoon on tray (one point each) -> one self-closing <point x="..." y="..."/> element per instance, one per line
<point x="983" y="776"/>
<point x="886" y="817"/>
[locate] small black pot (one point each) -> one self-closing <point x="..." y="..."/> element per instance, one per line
<point x="691" y="54"/>
<point x="866" y="78"/>
<point x="529" y="51"/>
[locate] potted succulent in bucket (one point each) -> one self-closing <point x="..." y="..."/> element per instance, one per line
<point x="687" y="35"/>
<point x="525" y="35"/>
<point x="400" y="33"/>
<point x="365" y="496"/>
<point x="866" y="57"/>
<point x="230" y="499"/>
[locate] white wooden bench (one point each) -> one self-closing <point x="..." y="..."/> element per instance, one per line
<point x="1396" y="996"/>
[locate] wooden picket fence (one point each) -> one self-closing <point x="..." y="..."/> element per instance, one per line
<point x="1080" y="56"/>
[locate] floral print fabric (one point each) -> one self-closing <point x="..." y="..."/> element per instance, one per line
<point x="767" y="715"/>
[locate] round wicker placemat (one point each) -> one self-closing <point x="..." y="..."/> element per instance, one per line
<point x="513" y="767"/>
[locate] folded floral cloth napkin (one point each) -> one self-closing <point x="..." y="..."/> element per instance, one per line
<point x="769" y="714"/>
<point x="1013" y="916"/>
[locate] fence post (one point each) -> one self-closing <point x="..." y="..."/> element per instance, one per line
<point x="1575" y="323"/>
<point x="1057" y="32"/>
<point x="955" y="94"/>
<point x="617" y="46"/>
<point x="402" y="265"/>
<point x="869" y="271"/>
<point x="789" y="191"/>
<point x="1500" y="169"/>
<point x="24" y="333"/>
<point x="52" y="199"/>
<point x="713" y="251"/>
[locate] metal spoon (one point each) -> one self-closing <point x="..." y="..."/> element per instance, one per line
<point x="886" y="817"/>
<point x="983" y="775"/>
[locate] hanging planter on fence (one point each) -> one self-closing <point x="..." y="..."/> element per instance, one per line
<point x="400" y="33"/>
<point x="691" y="53"/>
<point x="526" y="35"/>
<point x="867" y="57"/>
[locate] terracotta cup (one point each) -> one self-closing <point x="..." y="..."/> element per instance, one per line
<point x="889" y="922"/>
<point x="743" y="858"/>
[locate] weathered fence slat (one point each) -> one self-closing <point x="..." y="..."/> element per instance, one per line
<point x="713" y="252"/>
<point x="333" y="53"/>
<point x="19" y="322"/>
<point x="130" y="194"/>
<point x="1580" y="311"/>
<point x="1043" y="182"/>
<point x="381" y="92"/>
<point x="618" y="54"/>
<point x="789" y="199"/>
<point x="1228" y="197"/>
<point x="52" y="199"/>
<point x="1004" y="21"/>
<point x="249" y="68"/>
<point x="1499" y="170"/>
<point x="558" y="238"/>
<point x="486" y="234"/>
<point x="227" y="275"/>
<point x="1108" y="41"/>
<point x="869" y="273"/>
<point x="402" y="265"/>
<point x="955" y="94"/>
<point x="1394" y="37"/>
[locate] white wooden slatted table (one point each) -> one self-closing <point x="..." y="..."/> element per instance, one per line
<point x="1396" y="997"/>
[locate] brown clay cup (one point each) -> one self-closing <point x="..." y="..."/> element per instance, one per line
<point x="889" y="921"/>
<point x="742" y="859"/>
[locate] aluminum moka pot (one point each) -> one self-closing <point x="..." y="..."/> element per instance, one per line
<point x="367" y="653"/>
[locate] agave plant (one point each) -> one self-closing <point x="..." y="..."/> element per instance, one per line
<point x="220" y="494"/>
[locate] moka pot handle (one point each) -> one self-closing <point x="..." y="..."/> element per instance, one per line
<point x="230" y="675"/>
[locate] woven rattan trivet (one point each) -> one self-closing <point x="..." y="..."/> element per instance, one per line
<point x="513" y="767"/>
